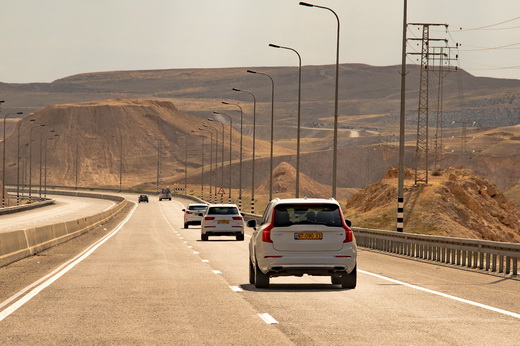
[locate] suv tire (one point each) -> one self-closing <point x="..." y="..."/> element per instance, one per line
<point x="186" y="225"/>
<point x="251" y="272"/>
<point x="204" y="237"/>
<point x="349" y="280"/>
<point x="261" y="279"/>
<point x="240" y="237"/>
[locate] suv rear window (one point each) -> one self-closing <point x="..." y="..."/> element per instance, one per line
<point x="197" y="207"/>
<point x="293" y="214"/>
<point x="223" y="211"/>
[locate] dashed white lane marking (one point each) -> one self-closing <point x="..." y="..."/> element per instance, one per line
<point x="196" y="252"/>
<point x="216" y="272"/>
<point x="268" y="318"/>
<point x="190" y="247"/>
<point x="483" y="306"/>
<point x="236" y="289"/>
<point x="205" y="261"/>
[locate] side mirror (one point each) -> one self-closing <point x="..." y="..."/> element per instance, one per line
<point x="183" y="209"/>
<point x="251" y="224"/>
<point x="348" y="222"/>
<point x="242" y="214"/>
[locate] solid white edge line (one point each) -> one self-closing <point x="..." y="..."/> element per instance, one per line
<point x="268" y="319"/>
<point x="55" y="275"/>
<point x="462" y="300"/>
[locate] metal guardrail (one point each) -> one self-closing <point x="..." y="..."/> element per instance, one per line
<point x="492" y="256"/>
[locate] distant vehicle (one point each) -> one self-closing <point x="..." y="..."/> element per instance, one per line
<point x="166" y="193"/>
<point x="193" y="214"/>
<point x="143" y="198"/>
<point x="302" y="236"/>
<point x="222" y="219"/>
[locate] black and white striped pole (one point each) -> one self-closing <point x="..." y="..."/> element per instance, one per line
<point x="400" y="184"/>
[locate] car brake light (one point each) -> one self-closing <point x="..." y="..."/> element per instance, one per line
<point x="348" y="232"/>
<point x="237" y="217"/>
<point x="209" y="218"/>
<point x="187" y="212"/>
<point x="266" y="233"/>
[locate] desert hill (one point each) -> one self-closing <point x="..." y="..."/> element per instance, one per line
<point x="457" y="203"/>
<point x="284" y="185"/>
<point x="87" y="140"/>
<point x="364" y="90"/>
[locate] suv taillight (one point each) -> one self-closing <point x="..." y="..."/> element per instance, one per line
<point x="237" y="218"/>
<point x="209" y="218"/>
<point x="349" y="235"/>
<point x="266" y="233"/>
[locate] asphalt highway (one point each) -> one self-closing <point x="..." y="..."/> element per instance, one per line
<point x="147" y="280"/>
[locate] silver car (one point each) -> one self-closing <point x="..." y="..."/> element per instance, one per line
<point x="302" y="236"/>
<point x="222" y="219"/>
<point x="193" y="214"/>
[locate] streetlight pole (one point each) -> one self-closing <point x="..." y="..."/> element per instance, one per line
<point x="3" y="161"/>
<point x="272" y="133"/>
<point x="211" y="167"/>
<point x="222" y="159"/>
<point x="18" y="165"/>
<point x="41" y="154"/>
<point x="240" y="164"/>
<point x="158" y="163"/>
<point x="185" y="161"/>
<point x="336" y="114"/>
<point x="30" y="158"/>
<point x="121" y="164"/>
<point x="230" y="148"/>
<point x="202" y="163"/>
<point x="45" y="169"/>
<point x="254" y="145"/>
<point x="297" y="192"/>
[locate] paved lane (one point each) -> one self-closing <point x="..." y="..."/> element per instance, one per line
<point x="66" y="208"/>
<point x="155" y="282"/>
<point x="144" y="285"/>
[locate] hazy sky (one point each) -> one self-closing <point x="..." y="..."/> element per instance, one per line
<point x="44" y="40"/>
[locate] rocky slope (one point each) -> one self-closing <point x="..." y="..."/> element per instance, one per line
<point x="456" y="203"/>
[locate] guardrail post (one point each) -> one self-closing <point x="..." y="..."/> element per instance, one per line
<point x="508" y="265"/>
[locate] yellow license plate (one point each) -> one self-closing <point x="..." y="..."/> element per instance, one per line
<point x="223" y="221"/>
<point x="308" y="235"/>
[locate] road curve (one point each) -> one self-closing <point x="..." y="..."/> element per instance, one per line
<point x="66" y="208"/>
<point x="152" y="282"/>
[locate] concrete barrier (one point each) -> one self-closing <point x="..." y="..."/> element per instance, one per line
<point x="13" y="247"/>
<point x="19" y="244"/>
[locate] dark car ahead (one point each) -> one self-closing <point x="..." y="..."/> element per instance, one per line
<point x="143" y="198"/>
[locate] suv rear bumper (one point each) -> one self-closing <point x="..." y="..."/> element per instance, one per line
<point x="293" y="264"/>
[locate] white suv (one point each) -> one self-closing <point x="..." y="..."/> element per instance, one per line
<point x="302" y="236"/>
<point x="222" y="219"/>
<point x="193" y="214"/>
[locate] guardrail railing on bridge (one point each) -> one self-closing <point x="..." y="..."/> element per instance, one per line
<point x="490" y="256"/>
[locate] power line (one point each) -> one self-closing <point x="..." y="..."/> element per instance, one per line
<point x="491" y="25"/>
